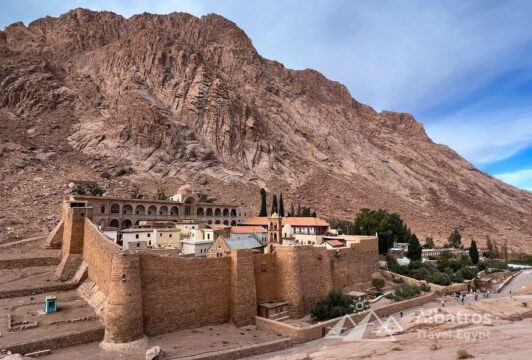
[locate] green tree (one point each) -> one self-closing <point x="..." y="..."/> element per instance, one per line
<point x="204" y="198"/>
<point x="473" y="252"/>
<point x="336" y="304"/>
<point x="263" y="212"/>
<point x="281" y="205"/>
<point x="275" y="208"/>
<point x="161" y="195"/>
<point x="378" y="283"/>
<point x="136" y="194"/>
<point x="389" y="227"/>
<point x="414" y="248"/>
<point x="429" y="243"/>
<point x="455" y="239"/>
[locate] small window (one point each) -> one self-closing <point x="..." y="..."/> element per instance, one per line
<point x="149" y="235"/>
<point x="169" y="235"/>
<point x="138" y="244"/>
<point x="136" y="236"/>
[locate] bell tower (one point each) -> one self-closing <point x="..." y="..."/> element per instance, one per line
<point x="275" y="227"/>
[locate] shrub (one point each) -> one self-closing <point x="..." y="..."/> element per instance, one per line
<point x="378" y="283"/>
<point x="435" y="346"/>
<point x="405" y="292"/>
<point x="336" y="304"/>
<point x="463" y="354"/>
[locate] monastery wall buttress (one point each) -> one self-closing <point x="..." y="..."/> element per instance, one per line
<point x="123" y="312"/>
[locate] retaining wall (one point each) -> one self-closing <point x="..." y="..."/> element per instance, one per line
<point x="316" y="331"/>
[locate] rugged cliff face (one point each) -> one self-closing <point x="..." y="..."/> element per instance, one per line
<point x="170" y="99"/>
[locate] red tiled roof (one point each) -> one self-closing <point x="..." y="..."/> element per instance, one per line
<point x="334" y="242"/>
<point x="294" y="221"/>
<point x="218" y="226"/>
<point x="247" y="229"/>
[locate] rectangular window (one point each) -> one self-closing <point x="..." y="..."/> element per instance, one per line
<point x="169" y="235"/>
<point x="136" y="236"/>
<point x="138" y="244"/>
<point x="149" y="235"/>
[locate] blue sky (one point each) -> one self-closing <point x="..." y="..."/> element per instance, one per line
<point x="462" y="68"/>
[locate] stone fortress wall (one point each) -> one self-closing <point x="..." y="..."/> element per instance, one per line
<point x="152" y="294"/>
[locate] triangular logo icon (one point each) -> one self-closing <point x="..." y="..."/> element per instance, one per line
<point x="385" y="329"/>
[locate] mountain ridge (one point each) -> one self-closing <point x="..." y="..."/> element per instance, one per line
<point x="175" y="98"/>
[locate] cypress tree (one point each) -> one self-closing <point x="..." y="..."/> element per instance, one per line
<point x="263" y="211"/>
<point x="473" y="252"/>
<point x="281" y="205"/>
<point x="292" y="211"/>
<point x="414" y="248"/>
<point x="274" y="204"/>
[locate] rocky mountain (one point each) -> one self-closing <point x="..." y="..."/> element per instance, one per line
<point x="164" y="100"/>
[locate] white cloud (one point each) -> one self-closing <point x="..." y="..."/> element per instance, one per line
<point x="484" y="137"/>
<point x="521" y="179"/>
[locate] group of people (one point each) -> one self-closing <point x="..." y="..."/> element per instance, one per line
<point x="462" y="295"/>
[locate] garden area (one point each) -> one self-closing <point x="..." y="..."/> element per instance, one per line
<point x="445" y="270"/>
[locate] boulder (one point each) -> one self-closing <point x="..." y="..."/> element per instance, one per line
<point x="155" y="353"/>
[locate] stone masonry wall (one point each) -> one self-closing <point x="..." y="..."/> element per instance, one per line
<point x="316" y="279"/>
<point x="98" y="253"/>
<point x="354" y="265"/>
<point x="265" y="277"/>
<point x="181" y="293"/>
<point x="243" y="294"/>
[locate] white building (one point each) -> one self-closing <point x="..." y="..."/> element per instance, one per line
<point x="197" y="248"/>
<point x="154" y="238"/>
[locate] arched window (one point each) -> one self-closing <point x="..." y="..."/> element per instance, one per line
<point x="226" y="222"/>
<point x="200" y="212"/>
<point x="174" y="211"/>
<point x="115" y="209"/>
<point x="233" y="212"/>
<point x="217" y="222"/>
<point x="209" y="222"/>
<point x="209" y="212"/>
<point x="102" y="209"/>
<point x="114" y="223"/>
<point x="226" y="212"/>
<point x="163" y="210"/>
<point x="233" y="223"/>
<point x="102" y="223"/>
<point x="152" y="210"/>
<point x="127" y="209"/>
<point x="140" y="210"/>
<point x="126" y="224"/>
<point x="217" y="212"/>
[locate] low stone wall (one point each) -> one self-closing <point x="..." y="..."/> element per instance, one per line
<point x="28" y="262"/>
<point x="316" y="331"/>
<point x="505" y="282"/>
<point x="439" y="289"/>
<point x="38" y="290"/>
<point x="243" y="352"/>
<point x="57" y="342"/>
